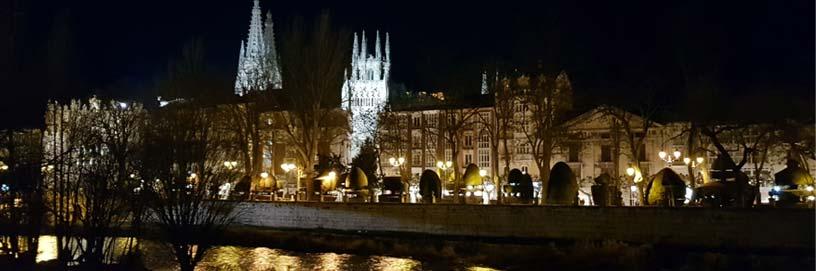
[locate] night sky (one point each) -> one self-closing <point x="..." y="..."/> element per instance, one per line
<point x="609" y="49"/>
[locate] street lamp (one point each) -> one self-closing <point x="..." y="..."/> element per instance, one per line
<point x="230" y="164"/>
<point x="696" y="162"/>
<point x="397" y="163"/>
<point x="485" y="195"/>
<point x="288" y="167"/>
<point x="632" y="189"/>
<point x="669" y="158"/>
<point x="444" y="166"/>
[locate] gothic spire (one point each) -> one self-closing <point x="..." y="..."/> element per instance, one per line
<point x="387" y="48"/>
<point x="272" y="64"/>
<point x="354" y="48"/>
<point x="377" y="51"/>
<point x="363" y="51"/>
<point x="257" y="65"/>
<point x="354" y="57"/>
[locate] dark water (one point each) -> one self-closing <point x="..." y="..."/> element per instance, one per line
<point x="157" y="257"/>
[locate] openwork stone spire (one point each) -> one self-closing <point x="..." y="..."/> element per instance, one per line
<point x="258" y="67"/>
<point x="365" y="91"/>
<point x="272" y="64"/>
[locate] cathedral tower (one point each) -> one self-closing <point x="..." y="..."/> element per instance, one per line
<point x="365" y="91"/>
<point x="258" y="67"/>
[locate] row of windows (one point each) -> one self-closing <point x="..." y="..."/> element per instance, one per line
<point x="366" y="101"/>
<point x="606" y="153"/>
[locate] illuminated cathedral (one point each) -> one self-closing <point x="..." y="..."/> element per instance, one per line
<point x="364" y="92"/>
<point x="258" y="67"/>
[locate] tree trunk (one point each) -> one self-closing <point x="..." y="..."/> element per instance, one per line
<point x="544" y="171"/>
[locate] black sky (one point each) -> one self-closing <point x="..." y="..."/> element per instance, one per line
<point x="609" y="48"/>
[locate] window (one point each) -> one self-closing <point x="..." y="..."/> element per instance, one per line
<point x="468" y="159"/>
<point x="448" y="155"/>
<point x="524" y="170"/>
<point x="430" y="160"/>
<point x="523" y="149"/>
<point x="606" y="153"/>
<point x="432" y="120"/>
<point x="468" y="140"/>
<point x="484" y="141"/>
<point x="416" y="158"/>
<point x="485" y="117"/>
<point x="416" y="141"/>
<point x="484" y="158"/>
<point x="431" y="141"/>
<point x="417" y="120"/>
<point x="574" y="152"/>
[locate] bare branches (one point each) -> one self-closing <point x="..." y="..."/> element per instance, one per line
<point x="313" y="68"/>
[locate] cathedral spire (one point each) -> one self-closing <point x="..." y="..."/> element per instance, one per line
<point x="354" y="48"/>
<point x="272" y="64"/>
<point x="387" y="48"/>
<point x="354" y="58"/>
<point x="258" y="67"/>
<point x="377" y="51"/>
<point x="363" y="51"/>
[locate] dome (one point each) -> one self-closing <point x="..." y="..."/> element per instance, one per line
<point x="665" y="185"/>
<point x="393" y="184"/>
<point x="356" y="179"/>
<point x="327" y="183"/>
<point x="429" y="184"/>
<point x="514" y="179"/>
<point x="562" y="188"/>
<point x="793" y="175"/>
<point x="472" y="177"/>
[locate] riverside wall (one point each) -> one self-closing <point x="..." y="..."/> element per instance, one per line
<point x="761" y="228"/>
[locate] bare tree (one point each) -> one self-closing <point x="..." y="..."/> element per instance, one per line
<point x="21" y="180"/>
<point x="313" y="61"/>
<point x="89" y="165"/>
<point x="395" y="139"/>
<point x="455" y="119"/>
<point x="546" y="101"/>
<point x="181" y="180"/>
<point x="498" y="125"/>
<point x="633" y="129"/>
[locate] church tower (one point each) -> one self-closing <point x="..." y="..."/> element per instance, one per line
<point x="258" y="67"/>
<point x="365" y="91"/>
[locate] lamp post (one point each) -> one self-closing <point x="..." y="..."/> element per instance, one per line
<point x="633" y="188"/>
<point x="669" y="158"/>
<point x="230" y="164"/>
<point x="397" y="163"/>
<point x="485" y="194"/>
<point x="288" y="167"/>
<point x="331" y="178"/>
<point x="444" y="167"/>
<point x="694" y="164"/>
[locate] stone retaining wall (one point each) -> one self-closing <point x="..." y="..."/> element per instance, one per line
<point x="730" y="228"/>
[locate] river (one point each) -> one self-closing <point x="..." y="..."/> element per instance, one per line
<point x="157" y="257"/>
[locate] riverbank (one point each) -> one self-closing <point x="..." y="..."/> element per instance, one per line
<point x="709" y="228"/>
<point x="527" y="255"/>
<point x="532" y="237"/>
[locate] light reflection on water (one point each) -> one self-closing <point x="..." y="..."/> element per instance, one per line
<point x="157" y="256"/>
<point x="46" y="248"/>
<point x="261" y="258"/>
